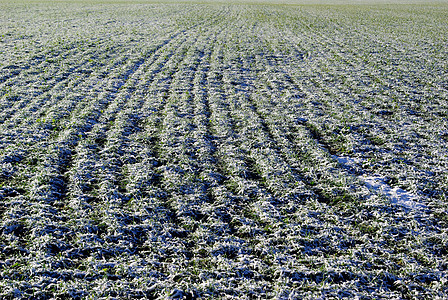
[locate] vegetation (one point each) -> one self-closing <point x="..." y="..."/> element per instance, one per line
<point x="176" y="150"/>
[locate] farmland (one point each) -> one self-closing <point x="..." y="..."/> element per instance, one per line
<point x="256" y="151"/>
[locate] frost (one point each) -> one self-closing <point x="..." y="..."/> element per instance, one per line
<point x="184" y="150"/>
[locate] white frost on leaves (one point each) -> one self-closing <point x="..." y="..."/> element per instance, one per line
<point x="377" y="183"/>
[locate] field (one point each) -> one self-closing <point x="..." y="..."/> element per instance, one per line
<point x="256" y="151"/>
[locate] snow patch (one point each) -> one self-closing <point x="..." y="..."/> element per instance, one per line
<point x="378" y="184"/>
<point x="396" y="195"/>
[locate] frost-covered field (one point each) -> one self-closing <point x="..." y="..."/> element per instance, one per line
<point x="223" y="151"/>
